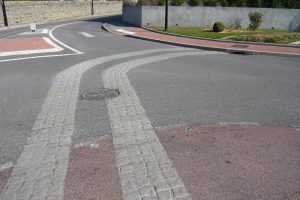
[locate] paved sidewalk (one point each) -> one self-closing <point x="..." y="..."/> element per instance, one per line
<point x="232" y="47"/>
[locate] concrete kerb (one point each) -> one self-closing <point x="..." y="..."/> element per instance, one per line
<point x="227" y="50"/>
<point x="218" y="40"/>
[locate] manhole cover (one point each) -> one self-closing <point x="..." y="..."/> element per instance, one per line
<point x="99" y="94"/>
<point x="238" y="46"/>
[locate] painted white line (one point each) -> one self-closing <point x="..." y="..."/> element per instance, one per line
<point x="86" y="34"/>
<point x="34" y="57"/>
<point x="39" y="31"/>
<point x="6" y="166"/>
<point x="36" y="51"/>
<point x="61" y="43"/>
<point x="125" y="31"/>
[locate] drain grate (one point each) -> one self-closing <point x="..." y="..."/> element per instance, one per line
<point x="100" y="94"/>
<point x="238" y="46"/>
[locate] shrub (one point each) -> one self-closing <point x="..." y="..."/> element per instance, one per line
<point x="140" y="2"/>
<point x="218" y="27"/>
<point x="240" y="3"/>
<point x="276" y="4"/>
<point x="223" y="3"/>
<point x="160" y="2"/>
<point x="289" y="3"/>
<point x="194" y="2"/>
<point x="209" y="3"/>
<point x="255" y="20"/>
<point x="254" y="3"/>
<point x="176" y="2"/>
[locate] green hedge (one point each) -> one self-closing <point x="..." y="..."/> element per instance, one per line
<point x="235" y="3"/>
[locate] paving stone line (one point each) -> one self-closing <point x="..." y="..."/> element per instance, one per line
<point x="145" y="170"/>
<point x="40" y="170"/>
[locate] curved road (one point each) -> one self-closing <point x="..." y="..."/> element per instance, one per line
<point x="192" y="87"/>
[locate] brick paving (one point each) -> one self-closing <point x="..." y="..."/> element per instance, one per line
<point x="145" y="170"/>
<point x="216" y="44"/>
<point x="235" y="161"/>
<point x="40" y="171"/>
<point x="22" y="44"/>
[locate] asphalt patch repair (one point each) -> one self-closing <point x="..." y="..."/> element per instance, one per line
<point x="235" y="161"/>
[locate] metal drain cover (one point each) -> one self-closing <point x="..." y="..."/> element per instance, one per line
<point x="238" y="46"/>
<point x="99" y="94"/>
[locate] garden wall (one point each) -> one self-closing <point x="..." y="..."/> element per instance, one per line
<point x="25" y="12"/>
<point x="285" y="19"/>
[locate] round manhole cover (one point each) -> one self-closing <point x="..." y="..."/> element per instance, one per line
<point x="99" y="94"/>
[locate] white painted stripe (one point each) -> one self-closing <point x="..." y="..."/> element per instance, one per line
<point x="125" y="31"/>
<point x="86" y="34"/>
<point x="39" y="31"/>
<point x="36" y="51"/>
<point x="61" y="43"/>
<point x="34" y="57"/>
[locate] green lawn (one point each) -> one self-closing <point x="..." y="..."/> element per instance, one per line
<point x="262" y="35"/>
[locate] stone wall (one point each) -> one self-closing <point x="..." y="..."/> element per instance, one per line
<point x="285" y="19"/>
<point x="25" y="12"/>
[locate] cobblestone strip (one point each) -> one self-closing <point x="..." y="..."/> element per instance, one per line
<point x="40" y="171"/>
<point x="144" y="168"/>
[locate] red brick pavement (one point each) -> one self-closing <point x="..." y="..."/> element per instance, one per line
<point x="23" y="44"/>
<point x="216" y="44"/>
<point x="236" y="162"/>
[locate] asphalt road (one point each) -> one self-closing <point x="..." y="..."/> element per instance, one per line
<point x="204" y="89"/>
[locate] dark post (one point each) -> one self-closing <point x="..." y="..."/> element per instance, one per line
<point x="166" y="15"/>
<point x="4" y="12"/>
<point x="92" y="9"/>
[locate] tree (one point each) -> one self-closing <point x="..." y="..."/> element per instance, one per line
<point x="2" y="2"/>
<point x="254" y="3"/>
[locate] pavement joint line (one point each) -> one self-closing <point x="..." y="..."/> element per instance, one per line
<point x="239" y="123"/>
<point x="48" y="146"/>
<point x="141" y="159"/>
<point x="6" y="166"/>
<point x="55" y="48"/>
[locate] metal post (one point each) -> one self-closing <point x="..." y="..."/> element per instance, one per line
<point x="4" y="12"/>
<point x="92" y="8"/>
<point x="166" y="15"/>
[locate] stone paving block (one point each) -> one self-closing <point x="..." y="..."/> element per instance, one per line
<point x="179" y="192"/>
<point x="147" y="190"/>
<point x="129" y="187"/>
<point x="132" y="196"/>
<point x="165" y="195"/>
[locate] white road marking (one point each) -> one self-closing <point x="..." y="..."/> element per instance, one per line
<point x="125" y="31"/>
<point x="55" y="48"/>
<point x="41" y="169"/>
<point x="86" y="34"/>
<point x="61" y="43"/>
<point x="34" y="57"/>
<point x="39" y="31"/>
